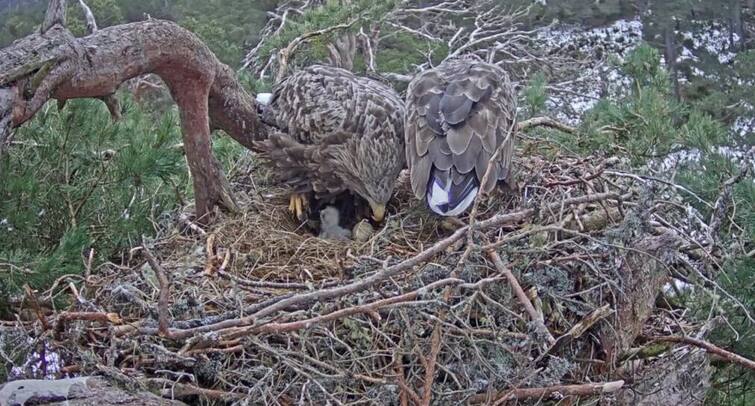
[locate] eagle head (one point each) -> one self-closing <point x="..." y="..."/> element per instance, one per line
<point x="370" y="167"/>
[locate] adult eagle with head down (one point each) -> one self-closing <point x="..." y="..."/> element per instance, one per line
<point x="458" y="115"/>
<point x="338" y="132"/>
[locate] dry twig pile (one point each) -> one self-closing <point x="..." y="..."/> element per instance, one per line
<point x="550" y="292"/>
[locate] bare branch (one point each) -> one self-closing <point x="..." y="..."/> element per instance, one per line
<point x="588" y="389"/>
<point x="285" y="54"/>
<point x="56" y="14"/>
<point x="519" y="292"/>
<point x="89" y="16"/>
<point x="545" y="122"/>
<point x="710" y="348"/>
<point x="163" y="312"/>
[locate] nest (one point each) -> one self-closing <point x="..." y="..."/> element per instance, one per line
<point x="546" y="290"/>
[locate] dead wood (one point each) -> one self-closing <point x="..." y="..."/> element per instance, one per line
<point x="163" y="312"/>
<point x="556" y="392"/>
<point x="410" y="316"/>
<point x="728" y="356"/>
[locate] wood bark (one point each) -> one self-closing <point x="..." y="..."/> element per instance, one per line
<point x="55" y="65"/>
<point x="643" y="275"/>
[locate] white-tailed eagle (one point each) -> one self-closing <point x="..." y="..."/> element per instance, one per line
<point x="337" y="132"/>
<point x="458" y="114"/>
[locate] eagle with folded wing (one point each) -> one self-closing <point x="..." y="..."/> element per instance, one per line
<point x="336" y="132"/>
<point x="458" y="115"/>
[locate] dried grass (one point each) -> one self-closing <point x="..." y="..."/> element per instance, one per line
<point x="334" y="337"/>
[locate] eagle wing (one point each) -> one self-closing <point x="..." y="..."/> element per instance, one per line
<point x="458" y="115"/>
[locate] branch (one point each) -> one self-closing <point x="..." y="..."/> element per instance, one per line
<point x="56" y="14"/>
<point x="546" y="122"/>
<point x="286" y="53"/>
<point x="91" y="22"/>
<point x="534" y="315"/>
<point x="558" y="391"/>
<point x="163" y="313"/>
<point x="7" y="95"/>
<point x="110" y="318"/>
<point x="710" y="348"/>
<point x="370" y="308"/>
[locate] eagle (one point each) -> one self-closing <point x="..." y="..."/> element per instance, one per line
<point x="336" y="132"/>
<point x="459" y="114"/>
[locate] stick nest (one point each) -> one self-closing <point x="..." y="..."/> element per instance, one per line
<point x="255" y="309"/>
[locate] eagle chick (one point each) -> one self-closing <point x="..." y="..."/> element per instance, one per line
<point x="329" y="227"/>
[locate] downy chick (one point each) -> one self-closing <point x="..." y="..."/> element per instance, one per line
<point x="329" y="227"/>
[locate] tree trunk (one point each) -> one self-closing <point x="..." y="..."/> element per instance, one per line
<point x="642" y="278"/>
<point x="54" y="64"/>
<point x="670" y="51"/>
<point x="737" y="26"/>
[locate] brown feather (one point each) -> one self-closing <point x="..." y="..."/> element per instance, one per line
<point x="463" y="108"/>
<point x="337" y="132"/>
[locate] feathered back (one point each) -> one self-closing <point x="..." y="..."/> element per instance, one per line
<point x="458" y="115"/>
<point x="338" y="131"/>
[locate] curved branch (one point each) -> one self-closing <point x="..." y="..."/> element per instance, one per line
<point x="57" y="65"/>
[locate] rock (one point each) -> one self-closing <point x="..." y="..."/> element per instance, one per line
<point x="83" y="391"/>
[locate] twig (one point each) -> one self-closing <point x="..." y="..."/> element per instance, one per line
<point x="163" y="313"/>
<point x="435" y="344"/>
<point x="713" y="349"/>
<point x="405" y="389"/>
<point x="170" y="389"/>
<point x="587" y="389"/>
<point x="110" y="318"/>
<point x="36" y="307"/>
<point x="545" y="122"/>
<point x="285" y="54"/>
<point x="519" y="293"/>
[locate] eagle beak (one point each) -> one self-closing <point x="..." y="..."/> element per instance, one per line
<point x="378" y="211"/>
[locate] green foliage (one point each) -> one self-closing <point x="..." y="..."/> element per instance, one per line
<point x="228" y="27"/>
<point x="648" y="122"/>
<point x="106" y="12"/>
<point x="535" y="94"/>
<point x="78" y="180"/>
<point x="333" y="12"/>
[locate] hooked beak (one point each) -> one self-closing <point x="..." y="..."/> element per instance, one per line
<point x="378" y="211"/>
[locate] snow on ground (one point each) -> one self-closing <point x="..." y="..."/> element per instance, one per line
<point x="33" y="364"/>
<point x="713" y="38"/>
<point x="677" y="158"/>
<point x="569" y="103"/>
<point x="613" y="42"/>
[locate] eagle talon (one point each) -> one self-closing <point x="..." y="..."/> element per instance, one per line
<point x="297" y="206"/>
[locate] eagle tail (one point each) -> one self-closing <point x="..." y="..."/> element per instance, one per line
<point x="450" y="195"/>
